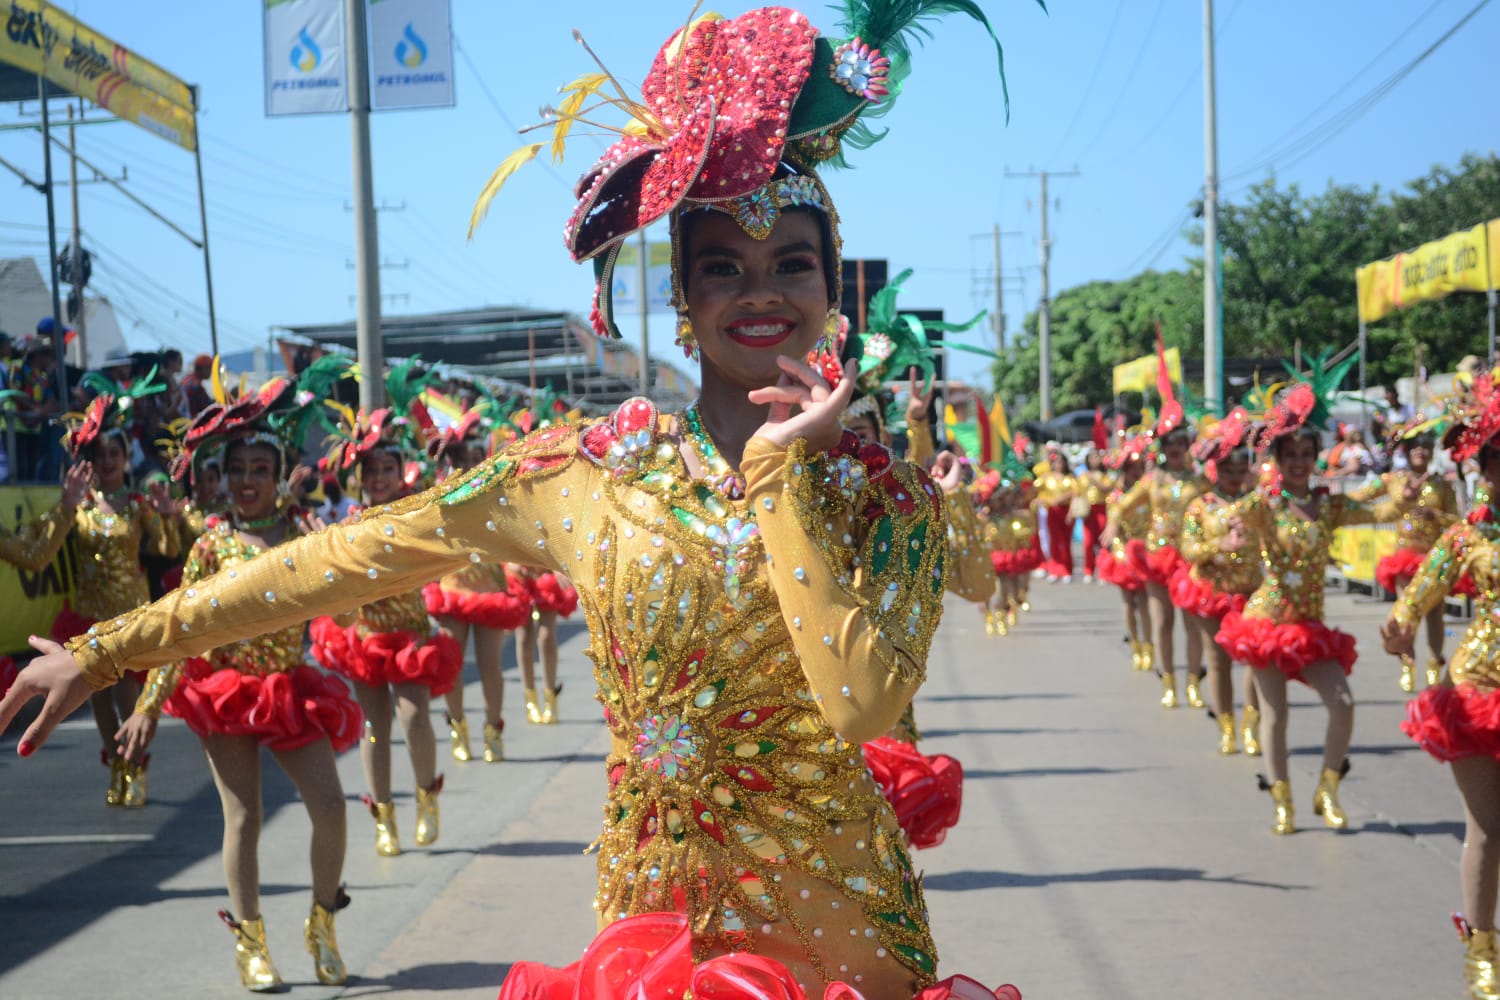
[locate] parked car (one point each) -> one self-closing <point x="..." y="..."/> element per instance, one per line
<point x="1076" y="426"/>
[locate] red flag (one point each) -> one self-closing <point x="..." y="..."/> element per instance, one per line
<point x="1101" y="437"/>
<point x="1171" y="411"/>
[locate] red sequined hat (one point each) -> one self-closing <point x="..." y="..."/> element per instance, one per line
<point x="1224" y="438"/>
<point x="733" y="115"/>
<point x="1476" y="419"/>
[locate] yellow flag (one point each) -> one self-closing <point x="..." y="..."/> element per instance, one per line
<point x="998" y="421"/>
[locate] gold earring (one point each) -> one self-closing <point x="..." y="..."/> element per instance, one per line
<point x="685" y="338"/>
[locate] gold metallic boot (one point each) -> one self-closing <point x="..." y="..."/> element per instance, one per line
<point x="1194" y="695"/>
<point x="115" y="796"/>
<point x="494" y="743"/>
<point x="1408" y="680"/>
<point x="1148" y="656"/>
<point x="387" y="841"/>
<point x="1002" y="627"/>
<point x="1226" y="733"/>
<point x="1168" y="690"/>
<point x="135" y="784"/>
<point x="1250" y="731"/>
<point x="458" y="732"/>
<point x="533" y="707"/>
<point x="257" y="974"/>
<point x="989" y="622"/>
<point x="1010" y="615"/>
<point x="1435" y="666"/>
<point x="1286" y="815"/>
<point x="323" y="946"/>
<point x="1026" y="602"/>
<point x="1326" y="798"/>
<point x="549" y="711"/>
<point x="1479" y="963"/>
<point x="1135" y="654"/>
<point x="427" y="813"/>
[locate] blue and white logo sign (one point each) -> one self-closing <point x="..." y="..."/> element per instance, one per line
<point x="411" y="54"/>
<point x="305" y="66"/>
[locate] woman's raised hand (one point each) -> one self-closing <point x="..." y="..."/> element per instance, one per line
<point x="948" y="472"/>
<point x="76" y="485"/>
<point x="801" y="386"/>
<point x="54" y="676"/>
<point x="134" y="737"/>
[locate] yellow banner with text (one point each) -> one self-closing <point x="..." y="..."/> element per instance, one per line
<point x="31" y="600"/>
<point x="1465" y="261"/>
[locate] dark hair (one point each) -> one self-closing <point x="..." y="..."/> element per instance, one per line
<point x="171" y="354"/>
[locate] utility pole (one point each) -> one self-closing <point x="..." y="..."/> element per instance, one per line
<point x="999" y="318"/>
<point x="1213" y="337"/>
<point x="80" y="328"/>
<point x="368" y="344"/>
<point x="1044" y="308"/>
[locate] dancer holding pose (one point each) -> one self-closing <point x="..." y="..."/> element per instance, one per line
<point x="1056" y="489"/>
<point x="1281" y="633"/>
<point x="1115" y="564"/>
<point x="1426" y="505"/>
<point x="1222" y="572"/>
<point x="762" y="588"/>
<point x="1458" y="722"/>
<point x="392" y="651"/>
<point x="111" y="528"/>
<point x="1165" y="490"/>
<point x="255" y="693"/>
<point x="1095" y="484"/>
<point x="478" y="600"/>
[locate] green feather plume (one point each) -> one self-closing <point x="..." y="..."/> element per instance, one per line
<point x="1324" y="381"/>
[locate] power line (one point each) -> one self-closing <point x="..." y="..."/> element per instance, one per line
<point x="1158" y="244"/>
<point x="499" y="110"/>
<point x="1088" y="90"/>
<point x="1303" y="146"/>
<point x="1124" y="88"/>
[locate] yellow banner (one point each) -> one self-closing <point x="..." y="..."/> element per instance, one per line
<point x="42" y="39"/>
<point x="31" y="600"/>
<point x="1360" y="549"/>
<point x="1140" y="375"/>
<point x="1460" y="262"/>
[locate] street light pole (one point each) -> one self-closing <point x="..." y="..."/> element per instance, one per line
<point x="1213" y="337"/>
<point x="367" y="340"/>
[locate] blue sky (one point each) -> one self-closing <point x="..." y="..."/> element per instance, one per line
<point x="1111" y="87"/>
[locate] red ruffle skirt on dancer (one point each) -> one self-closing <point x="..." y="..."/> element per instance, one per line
<point x="1118" y="572"/>
<point x="1454" y="722"/>
<point x="926" y="793"/>
<point x="283" y="711"/>
<point x="404" y="657"/>
<point x="1289" y="648"/>
<point x="503" y="609"/>
<point x="1399" y="565"/>
<point x="1198" y="597"/>
<point x="650" y="957"/>
<point x="1160" y="565"/>
<point x="8" y="673"/>
<point x="1019" y="562"/>
<point x="550" y="594"/>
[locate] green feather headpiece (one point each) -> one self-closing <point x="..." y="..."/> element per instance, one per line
<point x="895" y="342"/>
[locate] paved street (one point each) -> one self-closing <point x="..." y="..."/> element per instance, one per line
<point x="1106" y="850"/>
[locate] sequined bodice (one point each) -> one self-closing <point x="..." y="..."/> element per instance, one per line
<point x="1134" y="521"/>
<point x="1012" y="531"/>
<point x="403" y="613"/>
<point x="219" y="549"/>
<point x="1169" y="495"/>
<point x="1472" y="549"/>
<point x="1293" y="552"/>
<point x="110" y="579"/>
<point x="1423" y="520"/>
<point x="1096" y="486"/>
<point x="1204" y="526"/>
<point x="1054" y="489"/>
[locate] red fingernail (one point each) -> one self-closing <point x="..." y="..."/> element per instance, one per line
<point x="26" y="749"/>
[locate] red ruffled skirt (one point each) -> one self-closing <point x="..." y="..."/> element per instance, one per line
<point x="650" y="957"/>
<point x="1198" y="597"/>
<point x="8" y="673"/>
<point x="1117" y="571"/>
<point x="549" y="594"/>
<point x="283" y="711"/>
<point x="503" y="609"/>
<point x="404" y="657"/>
<point x="927" y="793"/>
<point x="1454" y="722"/>
<point x="1399" y="565"/>
<point x="1156" y="565"/>
<point x="1290" y="648"/>
<point x="1017" y="563"/>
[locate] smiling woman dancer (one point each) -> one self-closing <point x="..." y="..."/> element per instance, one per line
<point x="1458" y="722"/>
<point x="259" y="693"/>
<point x="762" y="589"/>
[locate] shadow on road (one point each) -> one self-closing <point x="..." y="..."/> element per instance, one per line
<point x="434" y="976"/>
<point x="1048" y="772"/>
<point x="536" y="849"/>
<point x="967" y="881"/>
<point x="1453" y="828"/>
<point x="1376" y="750"/>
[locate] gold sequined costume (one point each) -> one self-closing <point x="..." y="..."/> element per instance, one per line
<point x="742" y="649"/>
<point x="1165" y="495"/>
<point x="1422" y="521"/>
<point x="1217" y="582"/>
<point x="110" y="579"/>
<point x="260" y="686"/>
<point x="1282" y="626"/>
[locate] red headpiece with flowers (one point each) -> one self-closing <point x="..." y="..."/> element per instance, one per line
<point x="1224" y="438"/>
<point x="1476" y="419"/>
<point x="732" y="117"/>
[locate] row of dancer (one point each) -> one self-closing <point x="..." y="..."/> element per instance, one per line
<point x="762" y="590"/>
